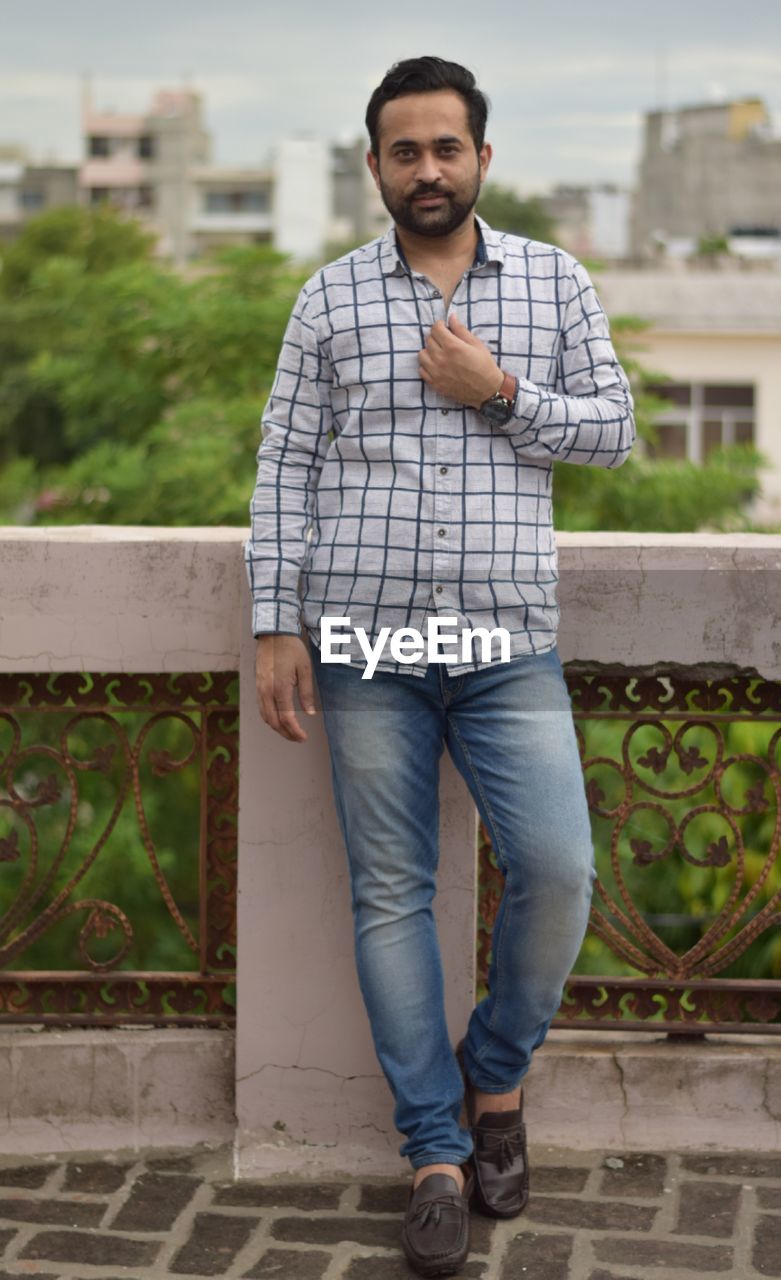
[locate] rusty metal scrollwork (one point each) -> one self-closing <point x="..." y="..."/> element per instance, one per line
<point x="673" y="796"/>
<point x="97" y="986"/>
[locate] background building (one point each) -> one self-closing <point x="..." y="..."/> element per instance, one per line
<point x="717" y="335"/>
<point x="313" y="195"/>
<point x="27" y="189"/>
<point x="708" y="172"/>
<point x="159" y="166"/>
<point x="591" y="221"/>
<point x="228" y="206"/>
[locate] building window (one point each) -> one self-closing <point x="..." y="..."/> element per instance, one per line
<point x="145" y="198"/>
<point x="98" y="194"/>
<point x="702" y="417"/>
<point x="236" y="201"/>
<point x="257" y="201"/>
<point x="99" y="146"/>
<point x="146" y="147"/>
<point x="32" y="199"/>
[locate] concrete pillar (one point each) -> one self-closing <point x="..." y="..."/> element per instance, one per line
<point x="310" y="1093"/>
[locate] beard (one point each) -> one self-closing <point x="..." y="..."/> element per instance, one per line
<point x="432" y="222"/>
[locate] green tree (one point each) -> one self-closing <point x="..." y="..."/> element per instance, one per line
<point x="51" y="278"/>
<point x="505" y="211"/>
<point x="98" y="239"/>
<point x="711" y="246"/>
<point x="131" y="393"/>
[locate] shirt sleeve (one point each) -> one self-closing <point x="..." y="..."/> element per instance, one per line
<point x="295" y="426"/>
<point x="589" y="417"/>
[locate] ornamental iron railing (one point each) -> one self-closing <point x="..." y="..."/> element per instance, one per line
<point x="118" y="844"/>
<point x="682" y="771"/>
<point x="118" y="850"/>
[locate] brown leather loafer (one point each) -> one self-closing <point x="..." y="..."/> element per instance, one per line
<point x="501" y="1160"/>
<point x="436" y="1225"/>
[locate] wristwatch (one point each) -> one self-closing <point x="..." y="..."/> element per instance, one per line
<point x="499" y="407"/>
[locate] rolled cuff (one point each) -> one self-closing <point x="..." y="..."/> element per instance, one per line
<point x="275" y="617"/>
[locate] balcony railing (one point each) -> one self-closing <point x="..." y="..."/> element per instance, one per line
<point x="683" y="778"/>
<point x="108" y="916"/>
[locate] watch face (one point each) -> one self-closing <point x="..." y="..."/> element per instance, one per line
<point x="497" y="409"/>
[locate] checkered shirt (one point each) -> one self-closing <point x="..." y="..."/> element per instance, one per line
<point x="379" y="499"/>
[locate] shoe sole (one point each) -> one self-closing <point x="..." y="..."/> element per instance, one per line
<point x="443" y="1268"/>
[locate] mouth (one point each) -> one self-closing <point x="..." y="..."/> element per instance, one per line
<point x="429" y="202"/>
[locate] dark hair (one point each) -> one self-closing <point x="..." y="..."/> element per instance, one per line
<point x="426" y="75"/>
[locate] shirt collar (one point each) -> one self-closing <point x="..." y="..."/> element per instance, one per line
<point x="489" y="249"/>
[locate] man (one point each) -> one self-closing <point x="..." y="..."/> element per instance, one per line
<point x="426" y="384"/>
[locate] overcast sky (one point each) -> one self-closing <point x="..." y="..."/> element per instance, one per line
<point x="568" y="81"/>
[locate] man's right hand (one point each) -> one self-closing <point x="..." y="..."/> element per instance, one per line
<point x="282" y="662"/>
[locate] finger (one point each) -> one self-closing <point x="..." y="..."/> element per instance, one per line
<point x="269" y="707"/>
<point x="459" y="330"/>
<point x="438" y="334"/>
<point x="287" y="716"/>
<point x="306" y="693"/>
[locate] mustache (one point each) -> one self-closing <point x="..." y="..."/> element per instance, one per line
<point x="429" y="189"/>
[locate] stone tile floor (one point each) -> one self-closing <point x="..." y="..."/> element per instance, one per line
<point x="145" y="1215"/>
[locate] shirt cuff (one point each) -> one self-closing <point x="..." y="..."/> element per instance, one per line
<point x="527" y="402"/>
<point x="275" y="617"/>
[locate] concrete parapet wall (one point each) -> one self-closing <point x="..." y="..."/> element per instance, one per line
<point x="308" y="1091"/>
<point x="102" y="1088"/>
<point x="626" y="1092"/>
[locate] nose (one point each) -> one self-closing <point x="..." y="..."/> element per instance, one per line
<point x="428" y="169"/>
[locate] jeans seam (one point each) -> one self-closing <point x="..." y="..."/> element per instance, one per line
<point x="495" y="830"/>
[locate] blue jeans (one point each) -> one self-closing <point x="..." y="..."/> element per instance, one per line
<point x="510" y="732"/>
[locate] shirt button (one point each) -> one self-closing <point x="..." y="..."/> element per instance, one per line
<point x="436" y="294"/>
<point x="443" y="471"/>
<point x="441" y="532"/>
<point x="445" y="411"/>
<point x="438" y="590"/>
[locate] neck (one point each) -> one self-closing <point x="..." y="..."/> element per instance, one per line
<point x="460" y="243"/>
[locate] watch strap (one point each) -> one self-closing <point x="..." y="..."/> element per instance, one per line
<point x="509" y="387"/>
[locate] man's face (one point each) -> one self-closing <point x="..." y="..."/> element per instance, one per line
<point x="427" y="170"/>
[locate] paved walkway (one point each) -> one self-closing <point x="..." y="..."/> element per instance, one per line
<point x="151" y="1214"/>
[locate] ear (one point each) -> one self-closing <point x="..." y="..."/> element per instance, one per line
<point x="374" y="168"/>
<point x="484" y="156"/>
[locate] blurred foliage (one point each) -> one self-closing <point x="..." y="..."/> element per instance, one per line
<point x="505" y="211"/>
<point x="131" y="393"/>
<point x="98" y="240"/>
<point x="712" y="246"/>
